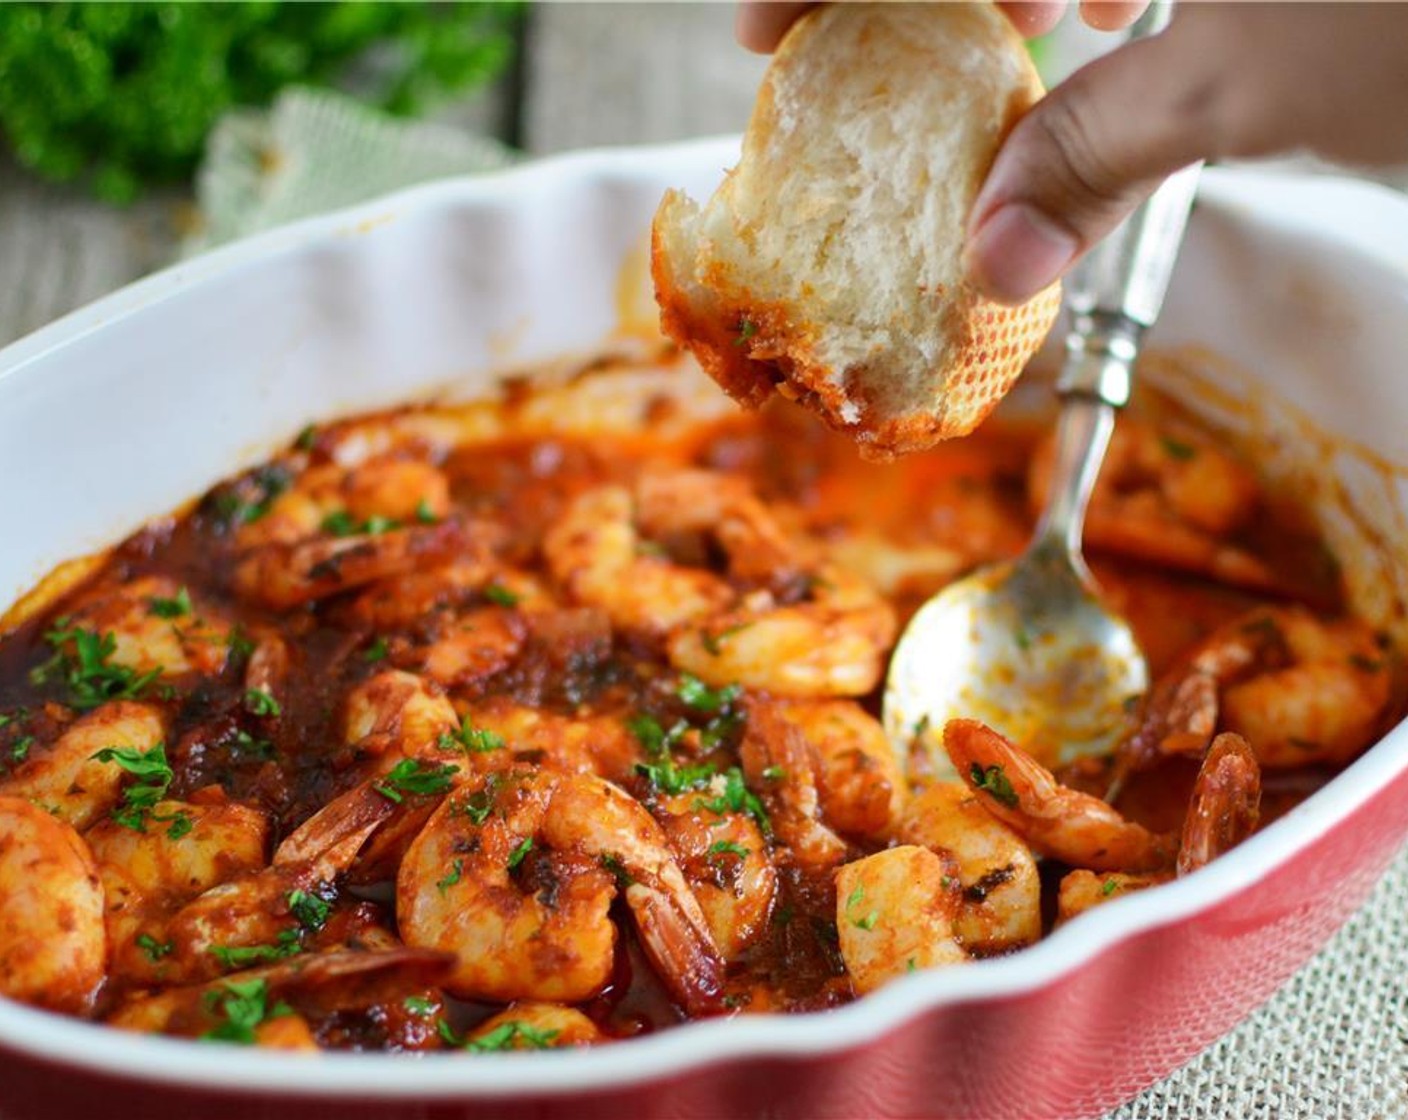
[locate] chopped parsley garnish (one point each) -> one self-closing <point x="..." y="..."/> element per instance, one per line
<point x="1109" y="887"/>
<point x="177" y="607"/>
<point x="267" y="482"/>
<point x="153" y="774"/>
<point x="424" y="514"/>
<point x="1177" y="449"/>
<point x="453" y="877"/>
<point x="418" y="1005"/>
<point x="746" y="330"/>
<point x="85" y="669"/>
<point x="613" y="864"/>
<point x="654" y="738"/>
<point x="376" y="651"/>
<point x="1022" y="636"/>
<point x="180" y="825"/>
<point x="153" y="949"/>
<point x="412" y="776"/>
<point x="516" y="856"/>
<point x="993" y="781"/>
<point x="498" y="593"/>
<point x="728" y="847"/>
<point x="240" y="643"/>
<point x="471" y="739"/>
<point x="306" y="438"/>
<point x="247" y="744"/>
<point x="478" y="805"/>
<point x="340" y="523"/>
<point x="289" y="943"/>
<point x="671" y="779"/>
<point x="737" y="798"/>
<point x="19" y="749"/>
<point x="511" y="1035"/>
<point x="310" y="910"/>
<point x="702" y="698"/>
<point x="867" y="920"/>
<point x="260" y="703"/>
<point x="244" y="1006"/>
<point x="774" y="773"/>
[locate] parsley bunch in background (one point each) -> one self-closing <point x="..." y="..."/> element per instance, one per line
<point x="123" y="94"/>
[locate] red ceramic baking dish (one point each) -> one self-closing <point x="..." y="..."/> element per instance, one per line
<point x="1291" y="303"/>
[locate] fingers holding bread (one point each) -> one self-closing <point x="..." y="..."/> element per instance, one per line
<point x="828" y="265"/>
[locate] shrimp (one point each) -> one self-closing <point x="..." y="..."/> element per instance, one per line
<point x="1063" y="823"/>
<point x="597" y="554"/>
<point x="69" y="780"/>
<point x="1000" y="908"/>
<point x="149" y="875"/>
<point x="155" y="626"/>
<point x="534" y="1025"/>
<point x="53" y="951"/>
<point x="1300" y="689"/>
<point x="1168" y="500"/>
<point x="584" y="744"/>
<point x="397" y="715"/>
<point x="314" y="987"/>
<point x="830" y="643"/>
<point x="1222" y="812"/>
<point x="1225" y="804"/>
<point x="283" y="576"/>
<point x="825" y="768"/>
<point x="474" y="645"/>
<point x="515" y="874"/>
<point x="725" y="860"/>
<point x="896" y="912"/>
<point x="400" y="602"/>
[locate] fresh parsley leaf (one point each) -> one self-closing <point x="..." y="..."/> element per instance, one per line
<point x="452" y="877"/>
<point x="746" y="330"/>
<point x="176" y="607"/>
<point x="702" y="698"/>
<point x="865" y="921"/>
<point x="471" y="739"/>
<point x="306" y="438"/>
<point x="728" y="847"/>
<point x="243" y="1005"/>
<point x="153" y="774"/>
<point x="81" y="662"/>
<point x="612" y="863"/>
<point x="418" y="1005"/>
<point x="994" y="782"/>
<point x="261" y="703"/>
<point x="523" y="847"/>
<point x="310" y="910"/>
<point x="1109" y="887"/>
<point x="153" y="949"/>
<point x="19" y="749"/>
<point x="654" y="738"/>
<point x="511" y="1035"/>
<point x="340" y="523"/>
<point x="738" y="798"/>
<point x="671" y="779"/>
<point x="498" y="593"/>
<point x="376" y="651"/>
<point x="288" y="944"/>
<point x="424" y="514"/>
<point x="412" y="776"/>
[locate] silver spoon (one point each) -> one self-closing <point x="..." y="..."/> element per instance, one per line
<point x="1027" y="647"/>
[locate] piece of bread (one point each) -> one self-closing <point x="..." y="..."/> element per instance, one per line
<point x="827" y="265"/>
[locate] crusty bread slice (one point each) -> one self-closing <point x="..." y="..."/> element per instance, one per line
<point x="827" y="265"/>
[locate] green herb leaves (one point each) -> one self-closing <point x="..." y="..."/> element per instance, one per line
<point x="153" y="774"/>
<point x="993" y="781"/>
<point x="82" y="661"/>
<point x="176" y="607"/>
<point x="411" y="776"/>
<point x="242" y="1007"/>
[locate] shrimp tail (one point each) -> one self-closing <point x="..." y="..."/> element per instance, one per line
<point x="681" y="948"/>
<point x="1226" y="803"/>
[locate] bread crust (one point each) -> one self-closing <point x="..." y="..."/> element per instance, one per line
<point x="755" y="341"/>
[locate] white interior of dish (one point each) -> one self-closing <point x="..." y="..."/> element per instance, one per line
<point x="131" y="406"/>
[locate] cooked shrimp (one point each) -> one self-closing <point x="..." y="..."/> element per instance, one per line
<point x="824" y="768"/>
<point x="389" y="489"/>
<point x="585" y="744"/>
<point x="1066" y="824"/>
<point x="147" y="876"/>
<point x="726" y="862"/>
<point x="1170" y="500"/>
<point x="288" y="575"/>
<point x="395" y="715"/>
<point x="831" y="643"/>
<point x="1299" y="688"/>
<point x="597" y="554"/>
<point x="1225" y="804"/>
<point x="53" y="950"/>
<point x="534" y="1025"/>
<point x="73" y="784"/>
<point x="896" y="913"/>
<point x="402" y="601"/>
<point x="1083" y="890"/>
<point x="155" y="625"/>
<point x="515" y="874"/>
<point x="311" y="987"/>
<point x="473" y="645"/>
<point x="1001" y="901"/>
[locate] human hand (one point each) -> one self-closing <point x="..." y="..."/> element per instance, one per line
<point x="1225" y="80"/>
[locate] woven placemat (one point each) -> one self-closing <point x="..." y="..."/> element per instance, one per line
<point x="1332" y="1043"/>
